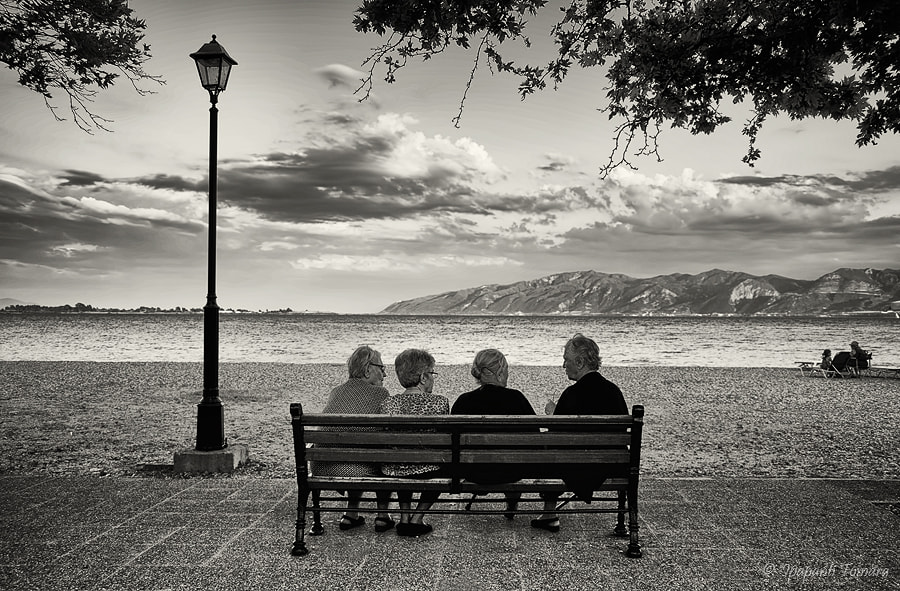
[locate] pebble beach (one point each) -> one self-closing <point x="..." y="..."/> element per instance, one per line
<point x="127" y="419"/>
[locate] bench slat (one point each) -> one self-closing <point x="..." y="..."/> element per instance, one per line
<point x="378" y="483"/>
<point x="375" y="455"/>
<point x="371" y="483"/>
<point x="376" y="438"/>
<point x="538" y="485"/>
<point x="545" y="456"/>
<point x="581" y="440"/>
<point x="460" y="422"/>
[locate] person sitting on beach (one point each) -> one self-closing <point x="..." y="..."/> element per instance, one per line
<point x="859" y="358"/>
<point x="591" y="394"/>
<point x="415" y="370"/>
<point x="826" y="359"/>
<point x="492" y="397"/>
<point x="362" y="393"/>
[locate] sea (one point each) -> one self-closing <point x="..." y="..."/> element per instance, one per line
<point x="525" y="340"/>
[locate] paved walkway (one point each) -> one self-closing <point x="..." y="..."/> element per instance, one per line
<point x="235" y="533"/>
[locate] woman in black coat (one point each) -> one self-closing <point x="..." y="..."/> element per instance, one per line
<point x="492" y="397"/>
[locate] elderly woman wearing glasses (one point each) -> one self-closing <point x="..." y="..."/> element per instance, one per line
<point x="415" y="370"/>
<point x="361" y="394"/>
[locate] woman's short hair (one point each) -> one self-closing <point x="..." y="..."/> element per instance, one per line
<point x="359" y="360"/>
<point x="585" y="349"/>
<point x="491" y="360"/>
<point x="411" y="364"/>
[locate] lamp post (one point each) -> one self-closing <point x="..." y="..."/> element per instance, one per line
<point x="214" y="66"/>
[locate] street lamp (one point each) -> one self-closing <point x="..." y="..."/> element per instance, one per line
<point x="214" y="66"/>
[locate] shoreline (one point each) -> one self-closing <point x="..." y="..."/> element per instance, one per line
<point x="127" y="419"/>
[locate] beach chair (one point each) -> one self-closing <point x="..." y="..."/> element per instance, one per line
<point x="884" y="372"/>
<point x="842" y="365"/>
<point x="811" y="368"/>
<point x="806" y="367"/>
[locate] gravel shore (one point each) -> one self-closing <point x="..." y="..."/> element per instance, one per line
<point x="128" y="419"/>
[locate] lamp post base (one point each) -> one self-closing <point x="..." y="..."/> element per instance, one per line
<point x="221" y="460"/>
<point x="211" y="424"/>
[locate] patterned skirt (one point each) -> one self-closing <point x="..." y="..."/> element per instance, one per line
<point x="344" y="469"/>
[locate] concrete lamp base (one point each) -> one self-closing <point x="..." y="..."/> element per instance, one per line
<point x="228" y="459"/>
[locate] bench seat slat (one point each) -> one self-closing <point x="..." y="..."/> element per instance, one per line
<point x="538" y="485"/>
<point x="544" y="456"/>
<point x="372" y="483"/>
<point x="378" y="483"/>
<point x="376" y="455"/>
<point x="556" y="439"/>
<point x="377" y="438"/>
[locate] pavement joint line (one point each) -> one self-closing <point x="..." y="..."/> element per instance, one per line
<point x="262" y="516"/>
<point x="118" y="526"/>
<point x="290" y="494"/>
<point x="131" y="559"/>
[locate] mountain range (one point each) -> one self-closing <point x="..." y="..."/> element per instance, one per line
<point x="713" y="292"/>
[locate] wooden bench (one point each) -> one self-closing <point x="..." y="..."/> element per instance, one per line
<point x="611" y="444"/>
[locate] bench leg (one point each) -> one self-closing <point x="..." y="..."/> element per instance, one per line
<point x="634" y="545"/>
<point x="316" y="529"/>
<point x="300" y="548"/>
<point x="620" y="530"/>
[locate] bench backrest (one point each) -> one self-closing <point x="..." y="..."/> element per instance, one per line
<point x="469" y="440"/>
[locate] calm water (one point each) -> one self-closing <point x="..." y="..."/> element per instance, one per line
<point x="719" y="342"/>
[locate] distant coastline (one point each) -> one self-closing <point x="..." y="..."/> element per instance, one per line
<point x="86" y="309"/>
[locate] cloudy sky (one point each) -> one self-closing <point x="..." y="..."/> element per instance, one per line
<point x="328" y="203"/>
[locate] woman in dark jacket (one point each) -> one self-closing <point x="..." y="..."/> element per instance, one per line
<point x="591" y="394"/>
<point x="492" y="397"/>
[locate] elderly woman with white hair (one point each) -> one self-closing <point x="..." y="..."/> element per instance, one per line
<point x="362" y="393"/>
<point x="591" y="394"/>
<point x="415" y="370"/>
<point x="492" y="397"/>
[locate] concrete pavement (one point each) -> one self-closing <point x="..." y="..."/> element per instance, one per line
<point x="224" y="533"/>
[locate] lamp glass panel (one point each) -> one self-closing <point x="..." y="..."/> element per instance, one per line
<point x="209" y="69"/>
<point x="204" y="76"/>
<point x="223" y="74"/>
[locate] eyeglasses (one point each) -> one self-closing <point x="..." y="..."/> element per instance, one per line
<point x="381" y="367"/>
<point x="432" y="373"/>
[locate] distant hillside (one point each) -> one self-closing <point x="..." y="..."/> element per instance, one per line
<point x="712" y="292"/>
<point x="4" y="302"/>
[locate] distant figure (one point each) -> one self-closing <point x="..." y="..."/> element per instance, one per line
<point x="859" y="358"/>
<point x="591" y="394"/>
<point x="415" y="370"/>
<point x="826" y="359"/>
<point x="361" y="394"/>
<point x="492" y="397"/>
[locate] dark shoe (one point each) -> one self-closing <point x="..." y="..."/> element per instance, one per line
<point x="511" y="510"/>
<point x="413" y="530"/>
<point x="383" y="524"/>
<point x="551" y="525"/>
<point x="350" y="522"/>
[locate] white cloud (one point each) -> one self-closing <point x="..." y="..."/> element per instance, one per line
<point x="341" y="75"/>
<point x="68" y="250"/>
<point x="121" y="214"/>
<point x="414" y="155"/>
<point x="398" y="262"/>
<point x="277" y="245"/>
